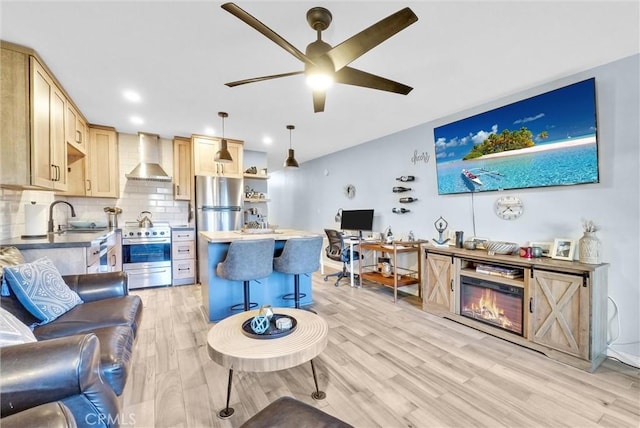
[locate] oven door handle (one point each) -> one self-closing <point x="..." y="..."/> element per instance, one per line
<point x="149" y="271"/>
<point x="141" y="241"/>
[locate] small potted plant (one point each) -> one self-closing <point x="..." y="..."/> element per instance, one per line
<point x="589" y="244"/>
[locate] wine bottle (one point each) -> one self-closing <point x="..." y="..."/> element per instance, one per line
<point x="400" y="189"/>
<point x="406" y="178"/>
<point x="400" y="210"/>
<point x="407" y="200"/>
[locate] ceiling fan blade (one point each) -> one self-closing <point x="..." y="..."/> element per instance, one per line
<point x="249" y="19"/>
<point x="356" y="46"/>
<point x="318" y="101"/>
<point x="260" y="79"/>
<point x="355" y="77"/>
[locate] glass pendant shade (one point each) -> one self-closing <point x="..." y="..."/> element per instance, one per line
<point x="290" y="161"/>
<point x="223" y="155"/>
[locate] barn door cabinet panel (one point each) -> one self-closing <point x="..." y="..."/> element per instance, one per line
<point x="438" y="293"/>
<point x="204" y="151"/>
<point x="564" y="310"/>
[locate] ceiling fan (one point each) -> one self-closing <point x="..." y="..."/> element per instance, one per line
<point x="321" y="61"/>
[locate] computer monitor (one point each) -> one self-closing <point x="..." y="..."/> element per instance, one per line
<point x="357" y="220"/>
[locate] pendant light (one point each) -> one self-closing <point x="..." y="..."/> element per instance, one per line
<point x="223" y="155"/>
<point x="290" y="161"/>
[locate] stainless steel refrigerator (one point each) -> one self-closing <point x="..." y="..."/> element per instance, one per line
<point x="218" y="203"/>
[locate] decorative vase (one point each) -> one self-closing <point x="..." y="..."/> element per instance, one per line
<point x="589" y="248"/>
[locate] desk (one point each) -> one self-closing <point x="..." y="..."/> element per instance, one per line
<point x="228" y="346"/>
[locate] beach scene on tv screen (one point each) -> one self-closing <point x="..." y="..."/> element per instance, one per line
<point x="546" y="140"/>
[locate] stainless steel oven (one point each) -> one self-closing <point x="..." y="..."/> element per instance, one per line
<point x="146" y="255"/>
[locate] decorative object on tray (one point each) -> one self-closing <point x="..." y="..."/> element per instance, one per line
<point x="545" y="247"/>
<point x="589" y="244"/>
<point x="441" y="225"/>
<point x="469" y="245"/>
<point x="563" y="249"/>
<point x="388" y="236"/>
<point x="275" y="327"/>
<point x="411" y="237"/>
<point x="500" y="247"/>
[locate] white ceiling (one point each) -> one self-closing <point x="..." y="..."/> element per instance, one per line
<point x="179" y="54"/>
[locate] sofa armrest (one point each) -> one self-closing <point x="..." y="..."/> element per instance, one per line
<point x="98" y="286"/>
<point x="50" y="415"/>
<point x="64" y="369"/>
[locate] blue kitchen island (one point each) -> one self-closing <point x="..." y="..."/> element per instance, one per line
<point x="219" y="294"/>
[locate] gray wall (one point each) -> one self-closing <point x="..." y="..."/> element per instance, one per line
<point x="309" y="197"/>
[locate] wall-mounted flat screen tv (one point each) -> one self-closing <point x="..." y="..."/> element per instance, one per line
<point x="546" y="140"/>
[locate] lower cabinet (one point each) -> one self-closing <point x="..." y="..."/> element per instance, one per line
<point x="553" y="306"/>
<point x="438" y="290"/>
<point x="183" y="256"/>
<point x="559" y="312"/>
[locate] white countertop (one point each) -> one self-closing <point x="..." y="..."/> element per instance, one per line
<point x="237" y="235"/>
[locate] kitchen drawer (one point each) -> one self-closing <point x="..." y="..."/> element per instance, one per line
<point x="184" y="272"/>
<point x="93" y="255"/>
<point x="183" y="250"/>
<point x="183" y="235"/>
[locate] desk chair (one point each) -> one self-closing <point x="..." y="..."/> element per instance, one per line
<point x="337" y="251"/>
<point x="247" y="261"/>
<point x="299" y="256"/>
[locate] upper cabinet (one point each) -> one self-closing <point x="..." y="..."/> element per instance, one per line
<point x="33" y="133"/>
<point x="103" y="180"/>
<point x="182" y="175"/>
<point x="75" y="130"/>
<point x="204" y="151"/>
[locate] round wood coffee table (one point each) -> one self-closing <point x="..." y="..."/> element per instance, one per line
<point x="228" y="346"/>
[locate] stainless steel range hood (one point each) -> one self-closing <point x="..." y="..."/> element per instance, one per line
<point x="149" y="167"/>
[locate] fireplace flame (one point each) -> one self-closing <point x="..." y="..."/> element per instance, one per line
<point x="487" y="308"/>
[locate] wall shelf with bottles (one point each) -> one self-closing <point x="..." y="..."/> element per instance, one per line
<point x="256" y="176"/>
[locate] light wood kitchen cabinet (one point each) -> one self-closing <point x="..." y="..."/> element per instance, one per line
<point x="559" y="312"/>
<point x="33" y="144"/>
<point x="75" y="129"/>
<point x="114" y="251"/>
<point x="182" y="171"/>
<point x="438" y="285"/>
<point x="103" y="173"/>
<point x="204" y="151"/>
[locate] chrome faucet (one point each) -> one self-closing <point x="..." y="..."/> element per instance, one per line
<point x="54" y="203"/>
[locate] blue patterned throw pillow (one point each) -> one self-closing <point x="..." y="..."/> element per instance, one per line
<point x="41" y="289"/>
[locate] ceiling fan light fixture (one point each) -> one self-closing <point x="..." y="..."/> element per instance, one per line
<point x="223" y="155"/>
<point x="319" y="81"/>
<point x="290" y="161"/>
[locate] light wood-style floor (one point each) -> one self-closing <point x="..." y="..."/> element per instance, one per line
<point x="386" y="365"/>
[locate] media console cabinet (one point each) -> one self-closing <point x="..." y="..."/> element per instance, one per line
<point x="553" y="306"/>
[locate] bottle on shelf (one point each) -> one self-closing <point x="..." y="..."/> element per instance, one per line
<point x="400" y="189"/>
<point x="406" y="178"/>
<point x="400" y="210"/>
<point x="408" y="200"/>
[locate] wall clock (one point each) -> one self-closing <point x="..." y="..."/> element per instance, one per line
<point x="509" y="207"/>
<point x="350" y="191"/>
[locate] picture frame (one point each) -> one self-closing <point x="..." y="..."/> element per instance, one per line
<point x="545" y="245"/>
<point x="563" y="249"/>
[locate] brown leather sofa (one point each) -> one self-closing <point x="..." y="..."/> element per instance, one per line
<point x="108" y="311"/>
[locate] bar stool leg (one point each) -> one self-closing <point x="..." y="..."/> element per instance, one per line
<point x="247" y="303"/>
<point x="317" y="394"/>
<point x="227" y="411"/>
<point x="296" y="290"/>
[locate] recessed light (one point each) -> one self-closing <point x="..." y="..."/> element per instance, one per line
<point x="136" y="120"/>
<point x="132" y="96"/>
<point x="267" y="140"/>
<point x="209" y="131"/>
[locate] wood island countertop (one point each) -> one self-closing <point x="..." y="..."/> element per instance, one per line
<point x="238" y="235"/>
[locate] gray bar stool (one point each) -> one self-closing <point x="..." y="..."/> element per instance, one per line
<point x="299" y="256"/>
<point x="246" y="261"/>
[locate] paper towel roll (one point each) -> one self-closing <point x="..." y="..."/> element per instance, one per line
<point x="35" y="220"/>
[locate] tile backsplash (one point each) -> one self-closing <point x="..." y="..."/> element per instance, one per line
<point x="135" y="196"/>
